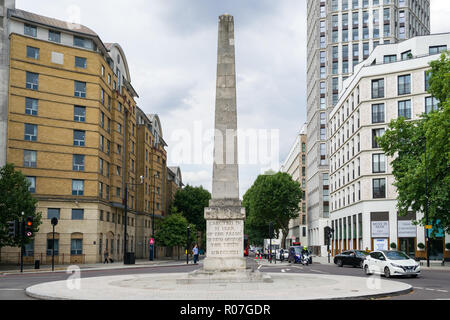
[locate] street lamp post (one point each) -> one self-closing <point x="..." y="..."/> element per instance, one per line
<point x="426" y="208"/>
<point x="54" y="223"/>
<point x="187" y="243"/>
<point x="152" y="256"/>
<point x="125" y="218"/>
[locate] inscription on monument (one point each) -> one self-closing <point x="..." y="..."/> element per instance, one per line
<point x="225" y="238"/>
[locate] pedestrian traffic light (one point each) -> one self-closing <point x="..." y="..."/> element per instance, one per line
<point x="13" y="229"/>
<point x="29" y="227"/>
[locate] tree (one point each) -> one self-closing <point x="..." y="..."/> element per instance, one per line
<point x="15" y="199"/>
<point x="172" y="232"/>
<point x="406" y="142"/>
<point x="191" y="203"/>
<point x="272" y="198"/>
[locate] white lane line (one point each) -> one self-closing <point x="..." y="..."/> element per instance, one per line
<point x="11" y="289"/>
<point x="430" y="289"/>
<point x="418" y="288"/>
<point x="259" y="266"/>
<point x="442" y="291"/>
<point x="318" y="271"/>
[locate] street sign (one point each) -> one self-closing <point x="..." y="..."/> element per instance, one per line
<point x="429" y="227"/>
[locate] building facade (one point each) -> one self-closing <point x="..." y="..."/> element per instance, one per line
<point x="73" y="130"/>
<point x="295" y="166"/>
<point x="391" y="83"/>
<point x="341" y="34"/>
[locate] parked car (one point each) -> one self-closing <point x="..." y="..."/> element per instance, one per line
<point x="353" y="258"/>
<point x="391" y="263"/>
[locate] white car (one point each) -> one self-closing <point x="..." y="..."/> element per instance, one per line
<point x="391" y="263"/>
<point x="285" y="254"/>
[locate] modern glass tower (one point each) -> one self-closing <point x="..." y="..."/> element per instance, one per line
<point x="341" y="34"/>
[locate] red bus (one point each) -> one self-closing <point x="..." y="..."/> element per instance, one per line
<point x="246" y="246"/>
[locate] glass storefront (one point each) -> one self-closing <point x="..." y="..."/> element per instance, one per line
<point x="408" y="246"/>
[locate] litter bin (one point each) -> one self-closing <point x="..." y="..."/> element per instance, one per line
<point x="37" y="264"/>
<point x="130" y="258"/>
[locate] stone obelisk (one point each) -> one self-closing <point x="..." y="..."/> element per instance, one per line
<point x="225" y="215"/>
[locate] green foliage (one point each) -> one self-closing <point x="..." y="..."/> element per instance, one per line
<point x="406" y="142"/>
<point x="272" y="198"/>
<point x="191" y="203"/>
<point x="172" y="231"/>
<point x="15" y="199"/>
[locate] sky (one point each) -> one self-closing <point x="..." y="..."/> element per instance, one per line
<point x="171" y="48"/>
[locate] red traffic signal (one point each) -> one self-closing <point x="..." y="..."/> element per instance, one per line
<point x="29" y="227"/>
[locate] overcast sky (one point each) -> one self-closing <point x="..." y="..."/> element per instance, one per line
<point x="171" y="48"/>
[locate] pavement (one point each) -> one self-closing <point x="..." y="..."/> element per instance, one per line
<point x="7" y="270"/>
<point x="284" y="286"/>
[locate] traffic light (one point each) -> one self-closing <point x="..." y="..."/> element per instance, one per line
<point x="328" y="233"/>
<point x="271" y="235"/>
<point x="13" y="229"/>
<point x="29" y="227"/>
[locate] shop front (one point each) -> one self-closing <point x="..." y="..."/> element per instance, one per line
<point x="407" y="234"/>
<point x="380" y="230"/>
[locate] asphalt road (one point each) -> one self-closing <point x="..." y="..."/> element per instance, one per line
<point x="431" y="285"/>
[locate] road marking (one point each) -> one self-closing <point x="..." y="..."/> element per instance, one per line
<point x="442" y="291"/>
<point x="11" y="289"/>
<point x="418" y="288"/>
<point x="430" y="289"/>
<point x="318" y="271"/>
<point x="284" y="270"/>
<point x="260" y="266"/>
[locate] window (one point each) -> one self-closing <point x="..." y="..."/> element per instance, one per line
<point x="404" y="84"/>
<point x="428" y="75"/>
<point x="377" y="133"/>
<point x="323" y="150"/>
<point x="31" y="106"/>
<point x="378" y="89"/>
<point x="53" y="213"/>
<point x="379" y="188"/>
<point x="50" y="247"/>
<point x="80" y="62"/>
<point x="76" y="247"/>
<point x="33" y="52"/>
<point x="378" y="163"/>
<point x="378" y="113"/>
<point x="79" y="138"/>
<point x="404" y="109"/>
<point x="78" y="162"/>
<point x="79" y="114"/>
<point x="32" y="187"/>
<point x="29" y="159"/>
<point x="30" y="132"/>
<point x="80" y="89"/>
<point x="32" y="81"/>
<point x="407" y="55"/>
<point x="390" y="58"/>
<point x="431" y="104"/>
<point x="82" y="43"/>
<point x="30" y="30"/>
<point x="77" y="187"/>
<point x="437" y="49"/>
<point x="54" y="36"/>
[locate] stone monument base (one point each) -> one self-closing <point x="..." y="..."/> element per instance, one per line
<point x="224" y="264"/>
<point x="237" y="276"/>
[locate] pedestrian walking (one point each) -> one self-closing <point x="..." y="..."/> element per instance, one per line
<point x="106" y="256"/>
<point x="195" y="253"/>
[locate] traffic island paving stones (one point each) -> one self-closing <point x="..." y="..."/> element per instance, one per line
<point x="166" y="287"/>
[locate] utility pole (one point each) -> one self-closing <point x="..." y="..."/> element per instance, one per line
<point x="426" y="208"/>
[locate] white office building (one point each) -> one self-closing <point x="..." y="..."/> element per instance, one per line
<point x="342" y="34"/>
<point x="391" y="83"/>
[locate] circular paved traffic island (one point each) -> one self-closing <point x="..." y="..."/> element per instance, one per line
<point x="166" y="287"/>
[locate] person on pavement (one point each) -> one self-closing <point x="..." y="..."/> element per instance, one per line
<point x="106" y="256"/>
<point x="195" y="253"/>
